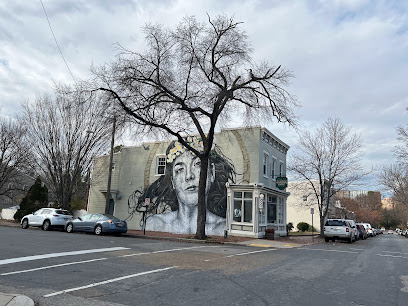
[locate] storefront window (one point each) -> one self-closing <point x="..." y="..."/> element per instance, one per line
<point x="271" y="209"/>
<point x="242" y="207"/>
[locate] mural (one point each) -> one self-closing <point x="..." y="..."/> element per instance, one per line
<point x="171" y="204"/>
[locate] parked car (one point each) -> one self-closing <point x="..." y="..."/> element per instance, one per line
<point x="354" y="227"/>
<point x="47" y="218"/>
<point x="383" y="230"/>
<point x="390" y="232"/>
<point x="97" y="223"/>
<point x="338" y="229"/>
<point x="369" y="229"/>
<point x="361" y="231"/>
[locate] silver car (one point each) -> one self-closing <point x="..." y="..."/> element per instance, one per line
<point x="97" y="223"/>
<point x="47" y="218"/>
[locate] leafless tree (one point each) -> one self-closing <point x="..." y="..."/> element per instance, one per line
<point x="395" y="179"/>
<point x="15" y="157"/>
<point x="66" y="130"/>
<point x="328" y="160"/>
<point x="193" y="78"/>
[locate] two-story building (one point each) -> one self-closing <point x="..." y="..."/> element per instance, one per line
<point x="246" y="193"/>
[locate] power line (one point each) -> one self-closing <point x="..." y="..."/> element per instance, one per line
<point x="55" y="39"/>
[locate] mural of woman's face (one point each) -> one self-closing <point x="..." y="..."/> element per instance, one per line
<point x="186" y="176"/>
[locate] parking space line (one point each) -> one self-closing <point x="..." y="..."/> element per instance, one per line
<point x="53" y="266"/>
<point x="107" y="281"/>
<point x="52" y="255"/>
<point x="395" y="252"/>
<point x="394" y="256"/>
<point x="248" y="253"/>
<point x="338" y="251"/>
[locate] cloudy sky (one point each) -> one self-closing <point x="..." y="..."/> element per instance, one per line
<point x="349" y="57"/>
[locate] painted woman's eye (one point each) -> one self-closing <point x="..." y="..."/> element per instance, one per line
<point x="178" y="170"/>
<point x="197" y="163"/>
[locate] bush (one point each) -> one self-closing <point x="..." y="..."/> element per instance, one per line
<point x="303" y="226"/>
<point x="289" y="227"/>
<point x="311" y="229"/>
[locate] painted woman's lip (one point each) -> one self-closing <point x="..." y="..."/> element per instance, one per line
<point x="191" y="188"/>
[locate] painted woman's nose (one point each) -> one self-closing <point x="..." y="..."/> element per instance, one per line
<point x="189" y="174"/>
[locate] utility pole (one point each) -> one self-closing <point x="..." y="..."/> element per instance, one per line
<point x="108" y="190"/>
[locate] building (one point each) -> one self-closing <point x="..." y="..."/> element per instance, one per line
<point x="242" y="198"/>
<point x="387" y="203"/>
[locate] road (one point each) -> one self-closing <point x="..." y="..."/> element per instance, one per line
<point x="56" y="268"/>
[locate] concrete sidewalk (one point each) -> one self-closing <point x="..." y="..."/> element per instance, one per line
<point x="15" y="300"/>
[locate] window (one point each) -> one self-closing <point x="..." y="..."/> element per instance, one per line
<point x="273" y="168"/>
<point x="265" y="164"/>
<point x="242" y="207"/>
<point x="160" y="165"/>
<point x="280" y="169"/>
<point x="271" y="209"/>
<point x="281" y="208"/>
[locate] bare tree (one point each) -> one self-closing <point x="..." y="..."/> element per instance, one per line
<point x="66" y="130"/>
<point x="15" y="157"/>
<point x="328" y="160"/>
<point x="395" y="179"/>
<point x="192" y="78"/>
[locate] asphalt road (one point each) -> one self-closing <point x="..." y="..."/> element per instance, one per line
<point x="56" y="268"/>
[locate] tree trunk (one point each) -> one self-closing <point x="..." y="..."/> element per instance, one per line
<point x="202" y="205"/>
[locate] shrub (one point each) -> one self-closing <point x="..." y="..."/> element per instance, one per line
<point x="311" y="229"/>
<point x="303" y="226"/>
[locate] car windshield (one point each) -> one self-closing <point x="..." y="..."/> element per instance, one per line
<point x="106" y="216"/>
<point x="63" y="212"/>
<point x="335" y="223"/>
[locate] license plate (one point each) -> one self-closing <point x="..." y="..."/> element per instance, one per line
<point x="119" y="224"/>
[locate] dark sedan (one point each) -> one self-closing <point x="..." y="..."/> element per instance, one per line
<point x="97" y="223"/>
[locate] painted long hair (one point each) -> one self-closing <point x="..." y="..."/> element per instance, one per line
<point x="163" y="197"/>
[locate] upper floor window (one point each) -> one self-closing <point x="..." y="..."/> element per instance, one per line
<point x="273" y="168"/>
<point x="265" y="164"/>
<point x="160" y="165"/>
<point x="280" y="169"/>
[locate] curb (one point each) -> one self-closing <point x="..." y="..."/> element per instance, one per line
<point x="15" y="300"/>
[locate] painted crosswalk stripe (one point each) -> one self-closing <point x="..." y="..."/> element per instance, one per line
<point x="248" y="253"/>
<point x="107" y="281"/>
<point x="53" y="255"/>
<point x="53" y="266"/>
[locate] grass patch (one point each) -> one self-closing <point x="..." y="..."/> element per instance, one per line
<point x="302" y="233"/>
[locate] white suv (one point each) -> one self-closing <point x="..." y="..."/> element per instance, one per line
<point x="46" y="218"/>
<point x="338" y="229"/>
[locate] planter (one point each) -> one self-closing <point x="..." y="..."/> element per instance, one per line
<point x="270" y="236"/>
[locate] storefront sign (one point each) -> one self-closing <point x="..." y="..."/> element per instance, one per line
<point x="281" y="182"/>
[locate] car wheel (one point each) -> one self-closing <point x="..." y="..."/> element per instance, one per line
<point x="98" y="230"/>
<point x="46" y="225"/>
<point x="350" y="240"/>
<point x="70" y="228"/>
<point x="24" y="224"/>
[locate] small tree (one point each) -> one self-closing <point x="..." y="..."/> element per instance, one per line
<point x="37" y="197"/>
<point x="328" y="160"/>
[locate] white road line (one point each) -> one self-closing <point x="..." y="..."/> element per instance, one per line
<point x="395" y="252"/>
<point x="52" y="255"/>
<point x="172" y="250"/>
<point x="107" y="281"/>
<point x="137" y="254"/>
<point x="53" y="266"/>
<point x="247" y="253"/>
<point x="338" y="251"/>
<point x="356" y="249"/>
<point x="394" y="256"/>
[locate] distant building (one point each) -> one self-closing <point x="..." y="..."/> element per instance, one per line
<point x="387" y="203"/>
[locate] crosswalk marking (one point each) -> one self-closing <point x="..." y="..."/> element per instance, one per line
<point x="107" y="281"/>
<point x="52" y="255"/>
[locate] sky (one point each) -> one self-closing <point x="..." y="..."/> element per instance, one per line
<point x="349" y="57"/>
